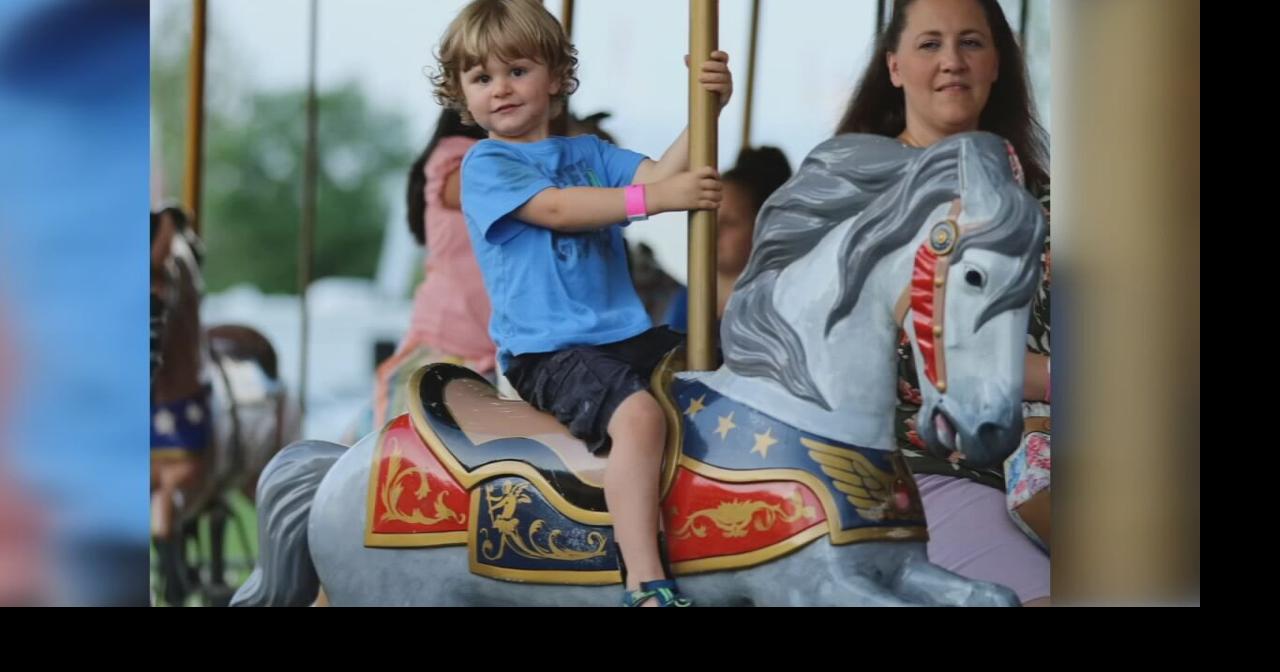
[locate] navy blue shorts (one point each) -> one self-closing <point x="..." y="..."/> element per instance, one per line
<point x="582" y="386"/>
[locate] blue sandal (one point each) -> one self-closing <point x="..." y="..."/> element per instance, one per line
<point x="665" y="591"/>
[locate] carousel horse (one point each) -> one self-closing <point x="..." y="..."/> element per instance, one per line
<point x="219" y="412"/>
<point x="781" y="483"/>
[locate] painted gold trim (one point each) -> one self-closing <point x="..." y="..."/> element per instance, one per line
<point x="838" y="536"/>
<point x="752" y="558"/>
<point x="382" y="539"/>
<point x="660" y="384"/>
<point x="470" y="479"/>
<point x="559" y="576"/>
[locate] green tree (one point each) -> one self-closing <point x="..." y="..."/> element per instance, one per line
<point x="254" y="148"/>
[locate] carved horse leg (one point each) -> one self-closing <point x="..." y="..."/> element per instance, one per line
<point x="919" y="579"/>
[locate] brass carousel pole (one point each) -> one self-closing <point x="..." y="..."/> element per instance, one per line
<point x="751" y="73"/>
<point x="703" y="25"/>
<point x="192" y="178"/>
<point x="566" y="17"/>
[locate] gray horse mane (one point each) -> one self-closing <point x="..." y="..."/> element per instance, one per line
<point x="887" y="189"/>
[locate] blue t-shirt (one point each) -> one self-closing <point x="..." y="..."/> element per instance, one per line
<point x="550" y="290"/>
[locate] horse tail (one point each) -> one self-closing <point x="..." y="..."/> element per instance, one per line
<point x="285" y="575"/>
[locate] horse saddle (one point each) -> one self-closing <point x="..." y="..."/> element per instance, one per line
<point x="739" y="488"/>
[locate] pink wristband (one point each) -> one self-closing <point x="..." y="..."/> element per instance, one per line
<point x="637" y="207"/>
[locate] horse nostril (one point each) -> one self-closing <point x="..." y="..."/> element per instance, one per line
<point x="998" y="439"/>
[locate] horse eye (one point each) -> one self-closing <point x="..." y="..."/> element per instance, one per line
<point x="975" y="278"/>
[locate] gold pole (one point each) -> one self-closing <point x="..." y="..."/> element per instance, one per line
<point x="703" y="25"/>
<point x="751" y="74"/>
<point x="566" y="17"/>
<point x="1127" y="192"/>
<point x="195" y="115"/>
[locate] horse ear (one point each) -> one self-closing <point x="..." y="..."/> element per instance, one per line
<point x="976" y="188"/>
<point x="162" y="241"/>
